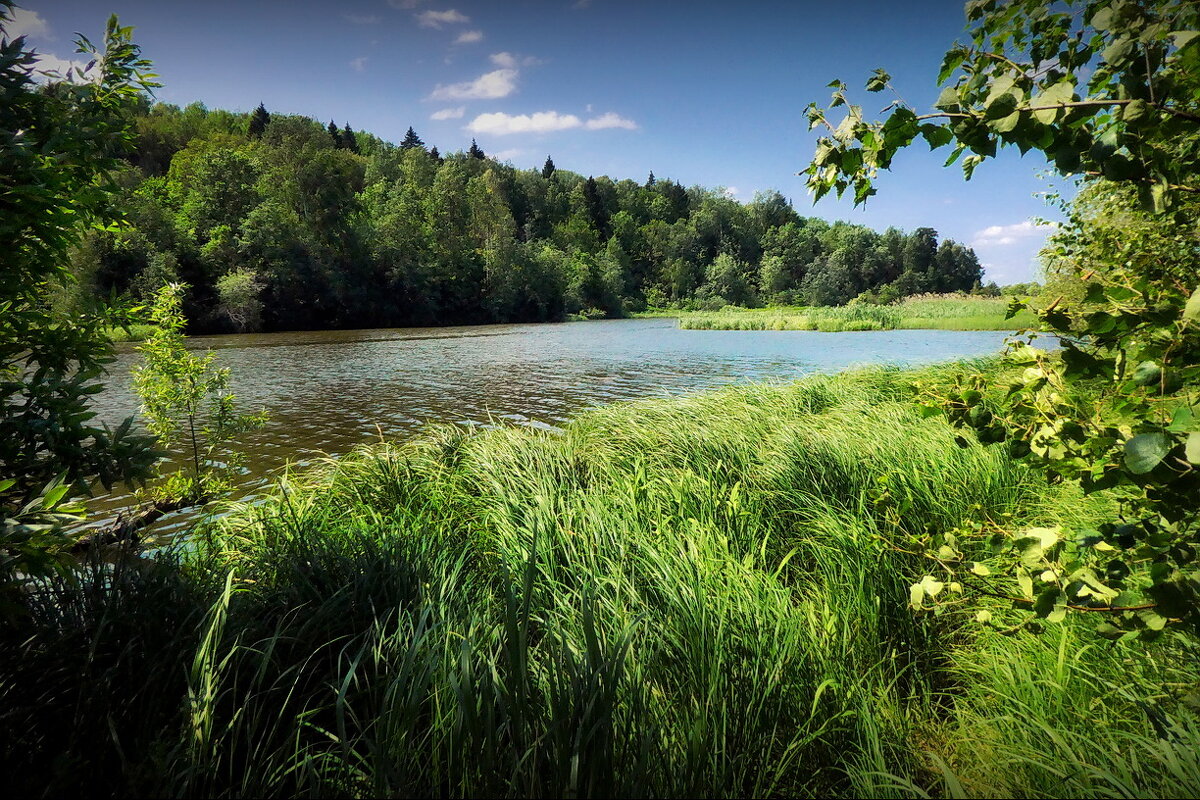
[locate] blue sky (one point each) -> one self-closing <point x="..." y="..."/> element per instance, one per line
<point x="703" y="92"/>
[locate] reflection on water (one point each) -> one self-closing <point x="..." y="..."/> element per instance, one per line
<point x="328" y="391"/>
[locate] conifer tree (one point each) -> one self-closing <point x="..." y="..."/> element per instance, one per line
<point x="335" y="134"/>
<point x="435" y="155"/>
<point x="548" y="168"/>
<point x="595" y="206"/>
<point x="475" y="152"/>
<point x="258" y="121"/>
<point x="650" y="181"/>
<point x="411" y="140"/>
<point x="349" y="140"/>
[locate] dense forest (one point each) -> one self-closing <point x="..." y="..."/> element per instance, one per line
<point x="280" y="222"/>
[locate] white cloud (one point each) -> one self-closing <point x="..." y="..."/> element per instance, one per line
<point x="489" y="86"/>
<point x="610" y="120"/>
<point x="436" y="19"/>
<point x="469" y="37"/>
<point x="999" y="235"/>
<point x="500" y="124"/>
<point x="731" y="191"/>
<point x="449" y="113"/>
<point x="26" y="23"/>
<point x="48" y="62"/>
<point x="363" y="19"/>
<point x="358" y="64"/>
<point x="507" y="59"/>
<point x="507" y="155"/>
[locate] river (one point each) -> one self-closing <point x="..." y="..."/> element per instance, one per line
<point x="328" y="391"/>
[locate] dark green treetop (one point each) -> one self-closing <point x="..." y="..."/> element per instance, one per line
<point x="259" y="121"/>
<point x="411" y="140"/>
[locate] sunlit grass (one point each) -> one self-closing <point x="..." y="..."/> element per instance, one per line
<point x="697" y="596"/>
<point x="933" y="312"/>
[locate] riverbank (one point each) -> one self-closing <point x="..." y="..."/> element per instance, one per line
<point x="704" y="595"/>
<point x="929" y="312"/>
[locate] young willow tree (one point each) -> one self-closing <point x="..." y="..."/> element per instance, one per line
<point x="60" y="145"/>
<point x="1109" y="92"/>
<point x="188" y="407"/>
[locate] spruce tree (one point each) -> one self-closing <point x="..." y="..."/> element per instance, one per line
<point x="595" y="206"/>
<point x="258" y="121"/>
<point x="548" y="168"/>
<point x="335" y="134"/>
<point x="349" y="140"/>
<point x="475" y="152"/>
<point x="435" y="155"/>
<point x="411" y="140"/>
<point x="650" y="181"/>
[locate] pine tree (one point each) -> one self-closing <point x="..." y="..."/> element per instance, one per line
<point x="650" y="181"/>
<point x="349" y="140"/>
<point x="595" y="206"/>
<point x="258" y="121"/>
<point x="548" y="168"/>
<point x="475" y="152"/>
<point x="411" y="140"/>
<point x="335" y="134"/>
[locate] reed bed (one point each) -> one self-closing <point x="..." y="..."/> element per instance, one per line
<point x="929" y="312"/>
<point x="697" y="596"/>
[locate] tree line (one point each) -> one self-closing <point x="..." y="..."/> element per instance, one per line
<point x="278" y="221"/>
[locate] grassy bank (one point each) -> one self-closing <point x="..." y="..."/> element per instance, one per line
<point x="134" y="333"/>
<point x="945" y="312"/>
<point x="696" y="596"/>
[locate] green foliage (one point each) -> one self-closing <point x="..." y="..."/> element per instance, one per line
<point x="391" y="235"/>
<point x="704" y="595"/>
<point x="1109" y="90"/>
<point x="1102" y="88"/>
<point x="59" y="154"/>
<point x="239" y="299"/>
<point x="187" y="406"/>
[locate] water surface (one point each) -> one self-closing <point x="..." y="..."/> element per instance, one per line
<point x="328" y="391"/>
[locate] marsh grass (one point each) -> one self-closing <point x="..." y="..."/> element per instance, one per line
<point x="697" y="596"/>
<point x="958" y="312"/>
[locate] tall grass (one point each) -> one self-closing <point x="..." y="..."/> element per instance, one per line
<point x="698" y="596"/>
<point x="960" y="312"/>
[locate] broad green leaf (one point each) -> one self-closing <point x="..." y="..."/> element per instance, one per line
<point x="1191" y="311"/>
<point x="1146" y="451"/>
<point x="1192" y="448"/>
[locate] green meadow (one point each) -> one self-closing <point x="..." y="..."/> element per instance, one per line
<point x="705" y="595"/>
<point x="954" y="312"/>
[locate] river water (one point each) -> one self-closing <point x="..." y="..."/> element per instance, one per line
<point x="328" y="391"/>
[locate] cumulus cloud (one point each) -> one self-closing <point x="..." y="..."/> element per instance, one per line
<point x="489" y="86"/>
<point x="49" y="62"/>
<point x="449" y="113"/>
<point x="436" y="19"/>
<point x="358" y="64"/>
<point x="507" y="59"/>
<point x="1000" y="235"/>
<point x="731" y="191"/>
<point x="27" y="23"/>
<point x="506" y="155"/>
<point x="363" y="19"/>
<point x="469" y="37"/>
<point x="610" y="120"/>
<point x="498" y="123"/>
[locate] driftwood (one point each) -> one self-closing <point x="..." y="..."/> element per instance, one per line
<point x="126" y="528"/>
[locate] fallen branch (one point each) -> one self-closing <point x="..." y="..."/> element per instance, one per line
<point x="126" y="528"/>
